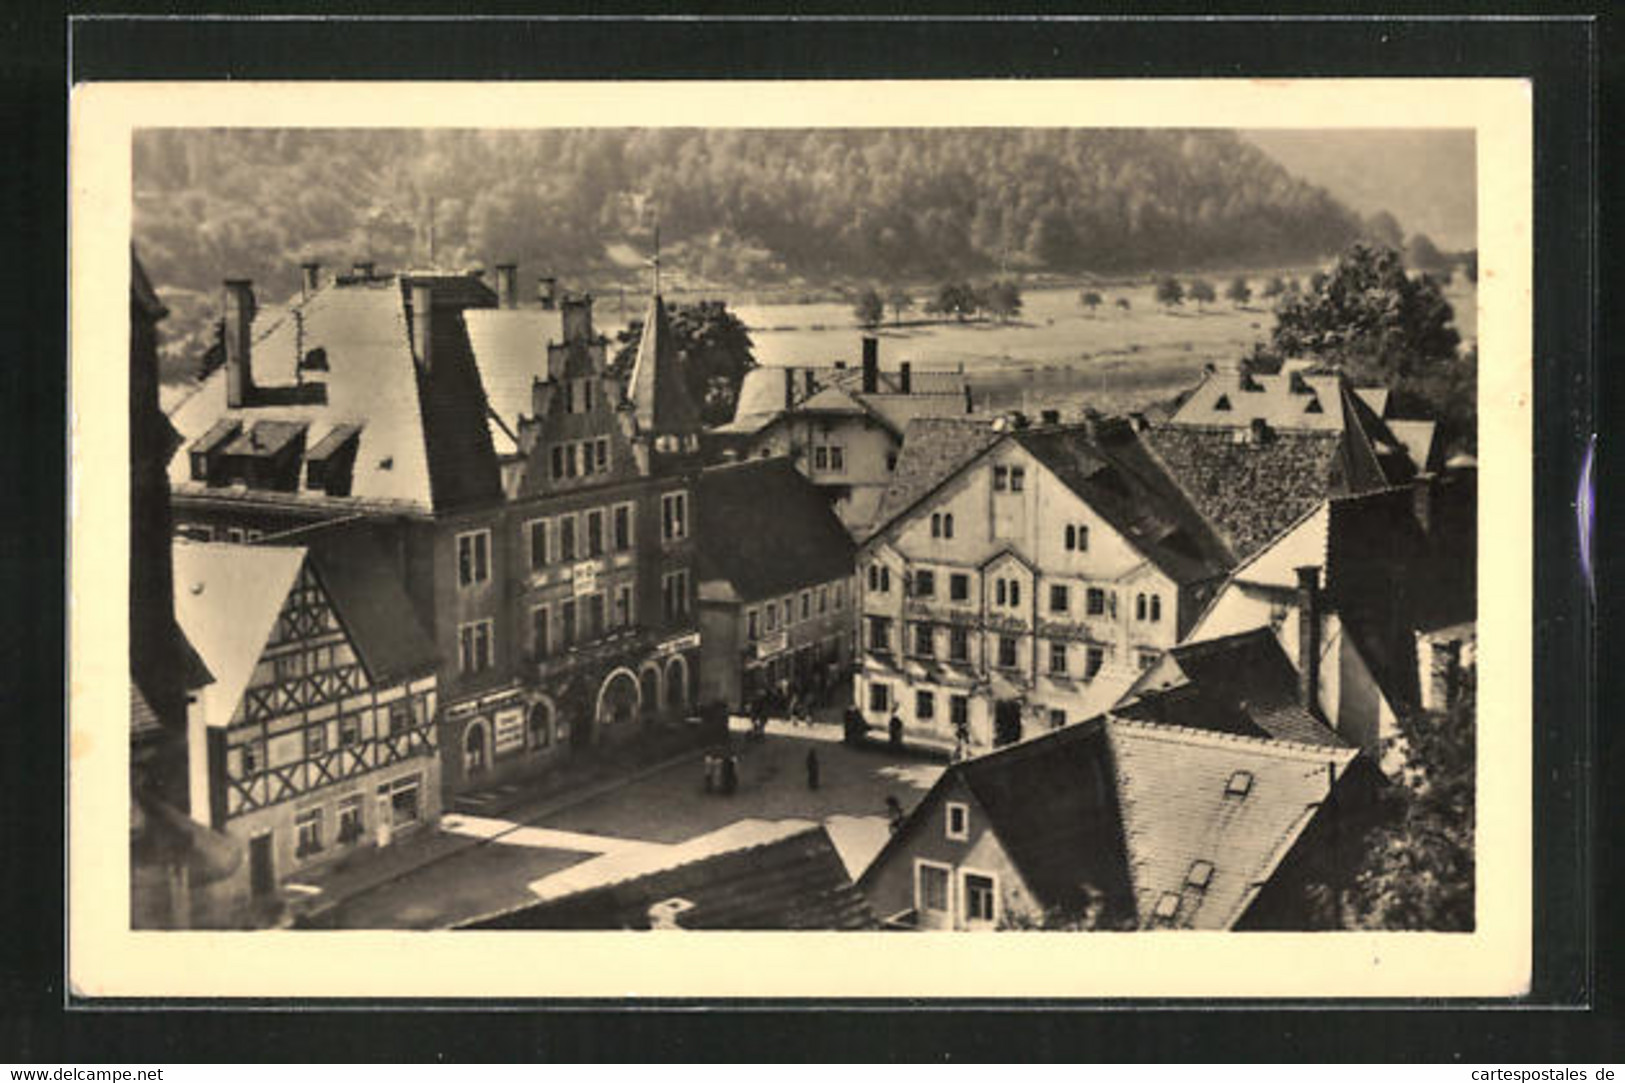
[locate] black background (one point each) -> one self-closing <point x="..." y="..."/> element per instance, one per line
<point x="1573" y="1013"/>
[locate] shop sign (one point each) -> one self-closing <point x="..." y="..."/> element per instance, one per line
<point x="508" y="731"/>
<point x="768" y="646"/>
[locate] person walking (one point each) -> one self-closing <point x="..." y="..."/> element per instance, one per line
<point x="730" y="774"/>
<point x="812" y="769"/>
<point x="894" y="812"/>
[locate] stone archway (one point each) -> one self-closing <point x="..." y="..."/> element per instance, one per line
<point x="649" y="689"/>
<point x="539" y="722"/>
<point x="476" y="749"/>
<point x="619" y="698"/>
<point x="677" y="682"/>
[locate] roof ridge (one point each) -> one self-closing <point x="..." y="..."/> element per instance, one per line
<point x="1296" y="750"/>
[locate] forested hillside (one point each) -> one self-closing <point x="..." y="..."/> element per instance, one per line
<point x="736" y="208"/>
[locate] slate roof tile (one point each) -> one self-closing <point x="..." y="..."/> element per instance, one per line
<point x="767" y="530"/>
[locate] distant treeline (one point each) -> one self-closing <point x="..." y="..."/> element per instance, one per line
<point x="735" y="207"/>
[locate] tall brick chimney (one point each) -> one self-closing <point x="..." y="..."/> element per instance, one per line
<point x="905" y="377"/>
<point x="239" y="320"/>
<point x="1309" y="636"/>
<point x="789" y="389"/>
<point x="507" y="285"/>
<point x="310" y="278"/>
<point x="547" y="291"/>
<point x="578" y="318"/>
<point x="423" y="324"/>
<point x="871" y="364"/>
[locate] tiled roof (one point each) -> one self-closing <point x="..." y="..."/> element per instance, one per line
<point x="934" y="449"/>
<point x="763" y="397"/>
<point x="510" y="345"/>
<point x="227" y="599"/>
<point x="1242" y="684"/>
<point x="1285" y="400"/>
<point x="1250" y="491"/>
<point x="659" y="397"/>
<point x="1178" y="792"/>
<point x="788" y="878"/>
<point x="416" y="449"/>
<point x="767" y="530"/>
<point x="1109" y="468"/>
<point x="371" y="602"/>
<point x="143" y="719"/>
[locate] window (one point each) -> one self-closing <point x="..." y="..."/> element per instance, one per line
<point x="1200" y="875"/>
<point x="316" y="740"/>
<point x="1000" y="592"/>
<point x="1015" y="593"/>
<point x="569" y="396"/>
<point x="595" y="533"/>
<point x="979" y="905"/>
<point x="1094" y="602"/>
<point x="1146" y="658"/>
<point x="806" y="604"/>
<point x="925" y="584"/>
<point x="674" y="593"/>
<point x="752" y="628"/>
<point x="1093" y="658"/>
<point x="835" y="460"/>
<point x="1240" y="784"/>
<point x="586" y="396"/>
<point x="1139" y="607"/>
<point x="567" y="623"/>
<point x="349" y="731"/>
<point x="309" y="826"/>
<point x="958" y="826"/>
<point x="623" y="527"/>
<point x="891" y="460"/>
<point x="570" y="461"/>
<point x="1059" y="598"/>
<point x="473" y="557"/>
<point x="959" y="713"/>
<point x="840" y="596"/>
<point x="1057" y="718"/>
<point x="400" y="717"/>
<point x="538" y="544"/>
<point x="1007" y="651"/>
<point x="1077" y="537"/>
<point x="823" y="599"/>
<point x="674" y="516"/>
<point x="558" y="462"/>
<point x="948" y="525"/>
<point x="253" y="759"/>
<point x="595" y="617"/>
<point x="936" y="525"/>
<point x="772" y="612"/>
<point x="1001" y="478"/>
<point x="1222" y="403"/>
<point x="958" y="644"/>
<point x="539" y="725"/>
<point x="924" y="641"/>
<point x="1156" y="607"/>
<point x="821" y="458"/>
<point x="879" y="578"/>
<point x="1018" y="478"/>
<point x="538" y="632"/>
<point x="931" y="888"/>
<point x="879" y="696"/>
<point x="880" y="634"/>
<point x="403" y="801"/>
<point x="925" y="706"/>
<point x="623" y="606"/>
<point x="567" y="538"/>
<point x="474" y="646"/>
<point x="351" y="826"/>
<point x="586" y="458"/>
<point x="1057" y="659"/>
<point x="789" y="612"/>
<point x="959" y="587"/>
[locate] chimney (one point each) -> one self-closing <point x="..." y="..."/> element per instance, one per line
<point x="578" y="318"/>
<point x="423" y="324"/>
<point x="1309" y="636"/>
<point x="310" y="278"/>
<point x="667" y="914"/>
<point x="1138" y="420"/>
<point x="507" y="285"/>
<point x="1260" y="430"/>
<point x="807" y="382"/>
<point x="840" y="365"/>
<point x="789" y="389"/>
<point x="905" y="377"/>
<point x="547" y="292"/>
<point x="970" y="404"/>
<point x="1422" y="502"/>
<point x="871" y="364"/>
<point x="363" y="268"/>
<point x="238" y="331"/>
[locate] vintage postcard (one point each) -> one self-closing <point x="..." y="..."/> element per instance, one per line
<point x="973" y="540"/>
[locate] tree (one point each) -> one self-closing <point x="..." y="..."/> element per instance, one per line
<point x="956" y="299"/>
<point x="869" y="308"/>
<point x="1201" y="291"/>
<point x="1123" y="303"/>
<point x="1383" y="228"/>
<point x="714" y="352"/>
<point x="1418" y="869"/>
<point x="1469" y="266"/>
<point x="1169" y="291"/>
<point x="1421" y="254"/>
<point x="1274" y="287"/>
<point x="1002" y="300"/>
<point x="900" y="302"/>
<point x="1238" y="291"/>
<point x="1089" y="299"/>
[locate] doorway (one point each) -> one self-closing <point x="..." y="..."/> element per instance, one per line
<point x="261" y="866"/>
<point x="1006" y="722"/>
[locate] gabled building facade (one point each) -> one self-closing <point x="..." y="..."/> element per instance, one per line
<point x="318" y="736"/>
<point x="1022" y="578"/>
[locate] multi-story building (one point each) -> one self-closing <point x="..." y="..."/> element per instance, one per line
<point x="842" y="427"/>
<point x="548" y="551"/>
<point x="1022" y="577"/>
<point x="776" y="583"/>
<point x="317" y="736"/>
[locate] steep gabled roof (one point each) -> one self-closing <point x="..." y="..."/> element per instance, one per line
<point x="1242" y="684"/>
<point x="768" y="391"/>
<point x="227" y="599"/>
<point x="748" y="876"/>
<point x="934" y="449"/>
<point x="510" y="346"/>
<point x="656" y="389"/>
<point x="366" y="591"/>
<point x="767" y="530"/>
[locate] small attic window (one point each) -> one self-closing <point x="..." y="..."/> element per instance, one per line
<point x="314" y="360"/>
<point x="1167" y="907"/>
<point x="1240" y="784"/>
<point x="1314" y="407"/>
<point x="1222" y="403"/>
<point x="1200" y="875"/>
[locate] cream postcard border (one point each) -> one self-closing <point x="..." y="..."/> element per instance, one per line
<point x="105" y="958"/>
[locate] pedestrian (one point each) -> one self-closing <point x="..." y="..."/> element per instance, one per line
<point x="812" y="769"/>
<point x="710" y="773"/>
<point x="894" y="812"/>
<point x="894" y="731"/>
<point x="730" y="774"/>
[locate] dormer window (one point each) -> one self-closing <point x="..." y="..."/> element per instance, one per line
<point x="1222" y="403"/>
<point x="1200" y="875"/>
<point x="1001" y="478"/>
<point x="1240" y="784"/>
<point x="1314" y="407"/>
<point x="1167" y="907"/>
<point x="958" y="825"/>
<point x="314" y="360"/>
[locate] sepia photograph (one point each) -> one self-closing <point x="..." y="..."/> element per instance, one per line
<point x="878" y="528"/>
